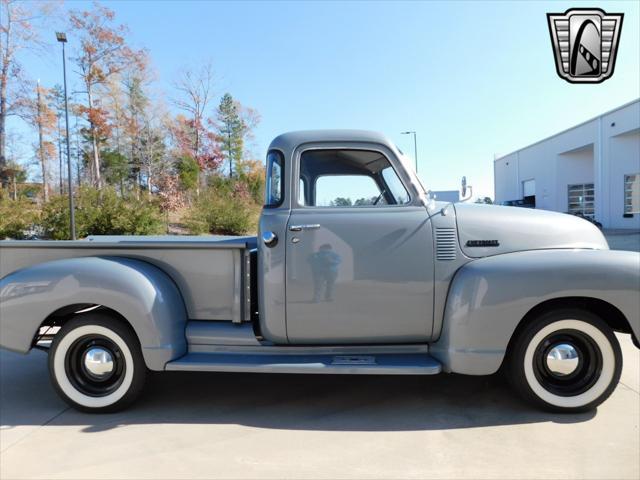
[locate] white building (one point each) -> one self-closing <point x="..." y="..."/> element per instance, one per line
<point x="447" y="196"/>
<point x="592" y="168"/>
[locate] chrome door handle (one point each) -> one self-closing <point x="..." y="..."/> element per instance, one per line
<point x="299" y="228"/>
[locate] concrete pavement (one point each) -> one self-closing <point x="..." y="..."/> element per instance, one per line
<point x="623" y="240"/>
<point x="192" y="425"/>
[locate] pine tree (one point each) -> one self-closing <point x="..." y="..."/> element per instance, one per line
<point x="231" y="131"/>
<point x="136" y="105"/>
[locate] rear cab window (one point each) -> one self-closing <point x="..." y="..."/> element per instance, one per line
<point x="274" y="189"/>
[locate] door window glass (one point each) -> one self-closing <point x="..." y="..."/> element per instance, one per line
<point x="302" y="188"/>
<point x="395" y="186"/>
<point x="347" y="191"/>
<point x="349" y="178"/>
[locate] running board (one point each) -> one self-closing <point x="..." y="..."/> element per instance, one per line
<point x="381" y="364"/>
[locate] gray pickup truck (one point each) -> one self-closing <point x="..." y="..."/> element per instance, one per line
<point x="356" y="269"/>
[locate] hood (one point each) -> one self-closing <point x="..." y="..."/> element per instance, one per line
<point x="486" y="230"/>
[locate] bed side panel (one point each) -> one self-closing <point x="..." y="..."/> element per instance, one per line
<point x="206" y="273"/>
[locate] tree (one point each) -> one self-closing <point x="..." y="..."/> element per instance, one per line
<point x="368" y="201"/>
<point x="136" y="103"/>
<point x="79" y="150"/>
<point x="231" y="130"/>
<point x="168" y="190"/>
<point x="46" y="124"/>
<point x="103" y="54"/>
<point x="486" y="200"/>
<point x="56" y="99"/>
<point x="152" y="149"/>
<point x="187" y="172"/>
<point x="38" y="112"/>
<point x="136" y="108"/>
<point x="252" y="174"/>
<point x="15" y="174"/>
<point x="41" y="153"/>
<point x="18" y="21"/>
<point x="115" y="167"/>
<point x="195" y="89"/>
<point x="186" y="135"/>
<point x="341" y="202"/>
<point x="115" y="102"/>
<point x="235" y="124"/>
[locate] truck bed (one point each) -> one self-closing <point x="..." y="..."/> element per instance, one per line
<point x="212" y="272"/>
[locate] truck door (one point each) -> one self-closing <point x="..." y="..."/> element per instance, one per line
<point x="359" y="251"/>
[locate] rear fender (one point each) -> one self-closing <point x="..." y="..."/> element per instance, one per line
<point x="489" y="297"/>
<point x="143" y="294"/>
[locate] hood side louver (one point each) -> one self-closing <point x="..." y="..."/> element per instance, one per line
<point x="446" y="244"/>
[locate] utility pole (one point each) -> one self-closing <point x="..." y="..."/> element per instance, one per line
<point x="62" y="38"/>
<point x="415" y="146"/>
<point x="415" y="149"/>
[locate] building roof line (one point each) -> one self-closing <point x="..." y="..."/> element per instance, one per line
<point x="567" y="129"/>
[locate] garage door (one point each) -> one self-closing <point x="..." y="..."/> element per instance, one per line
<point x="529" y="188"/>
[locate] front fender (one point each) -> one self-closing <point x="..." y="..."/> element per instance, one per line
<point x="140" y="292"/>
<point x="489" y="297"/>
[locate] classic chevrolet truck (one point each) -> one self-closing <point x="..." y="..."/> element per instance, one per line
<point x="356" y="269"/>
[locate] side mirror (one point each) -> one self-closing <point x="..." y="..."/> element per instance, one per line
<point x="464" y="187"/>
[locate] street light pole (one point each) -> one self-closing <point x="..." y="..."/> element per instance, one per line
<point x="62" y="38"/>
<point x="415" y="146"/>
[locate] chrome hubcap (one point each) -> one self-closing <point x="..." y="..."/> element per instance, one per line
<point x="98" y="362"/>
<point x="563" y="359"/>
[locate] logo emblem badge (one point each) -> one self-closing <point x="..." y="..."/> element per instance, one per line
<point x="585" y="43"/>
<point x="483" y="243"/>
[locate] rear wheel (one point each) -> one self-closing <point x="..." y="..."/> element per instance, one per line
<point x="96" y="364"/>
<point x="566" y="360"/>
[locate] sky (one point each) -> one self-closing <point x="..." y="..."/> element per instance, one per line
<point x="474" y="79"/>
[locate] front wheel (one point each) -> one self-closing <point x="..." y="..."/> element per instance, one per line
<point x="565" y="361"/>
<point x="96" y="364"/>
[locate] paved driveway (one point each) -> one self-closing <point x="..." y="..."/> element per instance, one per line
<point x="273" y="426"/>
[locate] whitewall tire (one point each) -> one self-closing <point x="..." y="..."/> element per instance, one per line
<point x="96" y="364"/>
<point x="566" y="360"/>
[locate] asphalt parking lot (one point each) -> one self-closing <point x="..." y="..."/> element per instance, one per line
<point x="192" y="425"/>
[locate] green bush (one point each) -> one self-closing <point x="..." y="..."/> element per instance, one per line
<point x="225" y="208"/>
<point x="188" y="172"/>
<point x="17" y="217"/>
<point x="102" y="213"/>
